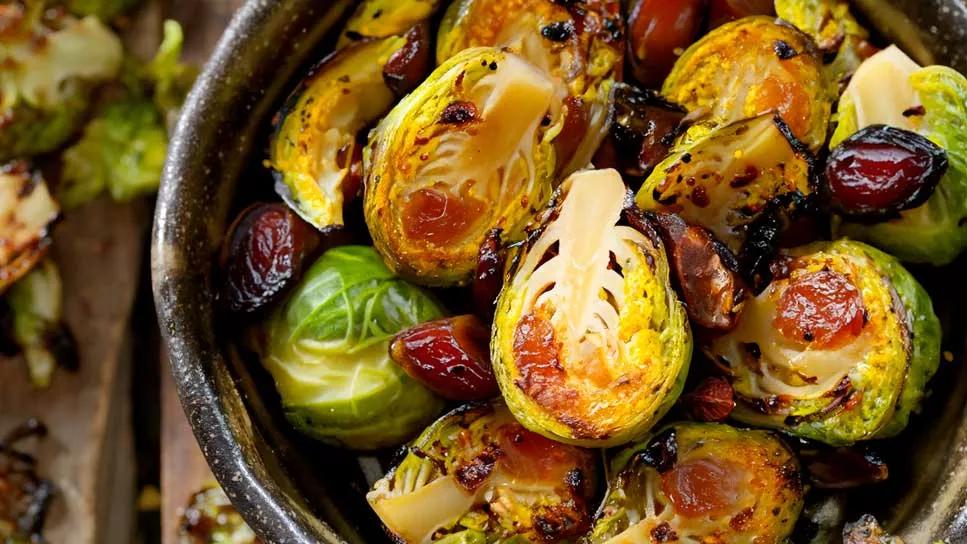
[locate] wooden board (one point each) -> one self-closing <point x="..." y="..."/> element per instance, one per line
<point x="89" y="452"/>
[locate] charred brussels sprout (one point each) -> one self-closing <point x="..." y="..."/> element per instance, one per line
<point x="836" y="31"/>
<point x="590" y="345"/>
<point x="478" y="476"/>
<point x="38" y="328"/>
<point x="891" y="89"/>
<point x="51" y="65"/>
<point x="702" y="482"/>
<point x="210" y="518"/>
<point x="328" y="350"/>
<point x="314" y="150"/>
<point x="580" y="47"/>
<point x="385" y="18"/>
<point x="753" y="66"/>
<point x="838" y="348"/>
<point x="464" y="153"/>
<point x="726" y="179"/>
<point x="27" y="212"/>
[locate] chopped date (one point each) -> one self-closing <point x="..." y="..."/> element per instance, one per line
<point x="658" y="31"/>
<point x="263" y="256"/>
<point x="449" y="356"/>
<point x="407" y="67"/>
<point x="705" y="272"/>
<point x="489" y="276"/>
<point x="881" y="171"/>
<point x="844" y="468"/>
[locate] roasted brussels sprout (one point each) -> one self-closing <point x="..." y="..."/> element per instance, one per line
<point x="328" y="350"/>
<point x="754" y="66"/>
<point x="591" y="345"/>
<point x="837" y="33"/>
<point x="385" y="18"/>
<point x="38" y="327"/>
<point x="890" y="89"/>
<point x="210" y="518"/>
<point x="478" y="476"/>
<point x="26" y="497"/>
<point x="702" y="482"/>
<point x="51" y="64"/>
<point x="726" y="179"/>
<point x="463" y="154"/>
<point x="314" y="152"/>
<point x="838" y="348"/>
<point x="580" y="47"/>
<point x="27" y="212"/>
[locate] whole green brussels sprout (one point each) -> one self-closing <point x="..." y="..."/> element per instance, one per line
<point x="590" y="345"/>
<point x="464" y="153"/>
<point x="753" y="66"/>
<point x="581" y="49"/>
<point x="49" y="71"/>
<point x="838" y="348"/>
<point x="725" y="179"/>
<point x="328" y="351"/>
<point x="891" y="89"/>
<point x="28" y="213"/>
<point x="702" y="482"/>
<point x="312" y="150"/>
<point x="476" y="476"/>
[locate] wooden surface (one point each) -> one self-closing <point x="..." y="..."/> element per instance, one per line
<point x="89" y="452"/>
<point x="184" y="470"/>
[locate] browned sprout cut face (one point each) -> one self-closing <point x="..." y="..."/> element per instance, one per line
<point x="702" y="482"/>
<point x="27" y="211"/>
<point x="477" y="476"/>
<point x="591" y="345"/>
<point x="580" y="45"/>
<point x="314" y="152"/>
<point x="726" y="179"/>
<point x="753" y="66"/>
<point x="464" y="153"/>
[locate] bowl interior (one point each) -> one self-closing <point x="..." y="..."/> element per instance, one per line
<point x="292" y="489"/>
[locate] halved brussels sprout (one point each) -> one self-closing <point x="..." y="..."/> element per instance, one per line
<point x="726" y="179"/>
<point x="50" y="68"/>
<point x="315" y="143"/>
<point x="590" y="344"/>
<point x="754" y="66"/>
<point x="838" y="348"/>
<point x="891" y="89"/>
<point x="210" y="518"/>
<point x="38" y="328"/>
<point x="477" y="476"/>
<point x="702" y="482"/>
<point x="464" y="153"/>
<point x="27" y="212"/>
<point x="581" y="48"/>
<point x="328" y="350"/>
<point x="835" y="30"/>
<point x="385" y="18"/>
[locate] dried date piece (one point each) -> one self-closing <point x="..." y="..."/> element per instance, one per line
<point x="705" y="272"/>
<point x="409" y="66"/>
<point x="880" y="171"/>
<point x="449" y="356"/>
<point x="658" y="32"/>
<point x="263" y="255"/>
<point x="712" y="401"/>
<point x="843" y="468"/>
<point x="643" y="129"/>
<point x="724" y="11"/>
<point x="489" y="276"/>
